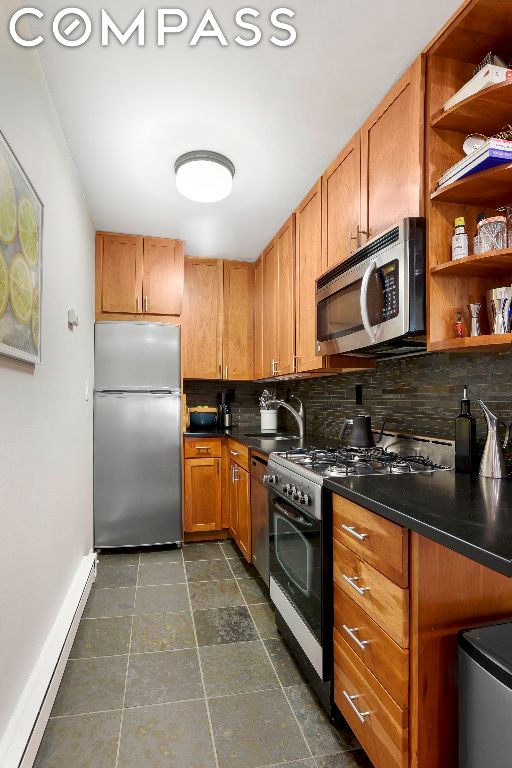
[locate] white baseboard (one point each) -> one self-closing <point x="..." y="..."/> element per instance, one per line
<point x="21" y="740"/>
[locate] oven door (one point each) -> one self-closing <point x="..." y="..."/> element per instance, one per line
<point x="363" y="307"/>
<point x="295" y="558"/>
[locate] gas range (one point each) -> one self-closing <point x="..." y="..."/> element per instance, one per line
<point x="300" y="472"/>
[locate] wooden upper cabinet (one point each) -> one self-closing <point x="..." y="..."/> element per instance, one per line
<point x="162" y="281"/>
<point x="202" y="319"/>
<point x="308" y="266"/>
<point x="270" y="283"/>
<point x="341" y="192"/>
<point x="392" y="154"/>
<point x="285" y="245"/>
<point x="258" y="319"/>
<point x="238" y="334"/>
<point x="119" y="273"/>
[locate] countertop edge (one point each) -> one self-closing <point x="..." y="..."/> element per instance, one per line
<point x="448" y="540"/>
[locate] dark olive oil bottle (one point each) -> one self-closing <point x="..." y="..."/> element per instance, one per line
<point x="465" y="438"/>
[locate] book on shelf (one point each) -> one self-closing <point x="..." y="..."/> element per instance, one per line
<point x="493" y="152"/>
<point x="488" y="75"/>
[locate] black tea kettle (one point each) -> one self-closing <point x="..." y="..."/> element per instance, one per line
<point x="361" y="435"/>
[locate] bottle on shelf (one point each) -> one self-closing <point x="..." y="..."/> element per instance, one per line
<point x="465" y="437"/>
<point x="459" y="239"/>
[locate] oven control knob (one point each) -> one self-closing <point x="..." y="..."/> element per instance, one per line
<point x="291" y="490"/>
<point x="286" y="488"/>
<point x="296" y="494"/>
<point x="305" y="499"/>
<point x="270" y="479"/>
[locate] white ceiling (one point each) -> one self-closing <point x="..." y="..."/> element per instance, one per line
<point x="280" y="114"/>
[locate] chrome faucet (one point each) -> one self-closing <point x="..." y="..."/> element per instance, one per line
<point x="300" y="415"/>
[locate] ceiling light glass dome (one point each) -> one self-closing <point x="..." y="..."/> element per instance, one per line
<point x="204" y="176"/>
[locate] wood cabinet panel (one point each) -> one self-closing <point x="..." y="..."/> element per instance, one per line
<point x="238" y="453"/>
<point x="202" y="319"/>
<point x="119" y="263"/>
<point x="258" y="319"/>
<point x="385" y="602"/>
<point x="238" y="333"/>
<point x="375" y="539"/>
<point x="341" y="195"/>
<point x="383" y="657"/>
<point x="242" y="479"/>
<point x="162" y="282"/>
<point x="202" y="499"/>
<point x="308" y="267"/>
<point x="383" y="734"/>
<point x="285" y="244"/>
<point x="203" y="448"/>
<point x="392" y="155"/>
<point x="270" y="282"/>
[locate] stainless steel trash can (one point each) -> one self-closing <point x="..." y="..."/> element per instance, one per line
<point x="485" y="697"/>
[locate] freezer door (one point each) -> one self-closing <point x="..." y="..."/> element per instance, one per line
<point x="137" y="356"/>
<point x="137" y="469"/>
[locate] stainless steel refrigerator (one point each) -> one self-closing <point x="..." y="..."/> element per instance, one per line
<point x="137" y="434"/>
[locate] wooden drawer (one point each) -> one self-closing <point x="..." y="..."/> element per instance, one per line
<point x="381" y="543"/>
<point x="385" y="602"/>
<point x="203" y="448"/>
<point x="383" y="657"/>
<point x="383" y="728"/>
<point x="238" y="453"/>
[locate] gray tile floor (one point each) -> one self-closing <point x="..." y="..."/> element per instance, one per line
<point x="177" y="664"/>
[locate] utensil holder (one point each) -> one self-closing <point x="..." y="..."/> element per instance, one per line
<point x="268" y="421"/>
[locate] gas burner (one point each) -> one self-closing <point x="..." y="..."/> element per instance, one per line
<point x="400" y="467"/>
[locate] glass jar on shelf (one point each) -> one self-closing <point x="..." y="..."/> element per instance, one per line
<point x="492" y="234"/>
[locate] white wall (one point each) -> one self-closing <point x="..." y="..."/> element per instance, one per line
<point x="45" y="423"/>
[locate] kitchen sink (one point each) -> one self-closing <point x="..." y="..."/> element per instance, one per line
<point x="272" y="436"/>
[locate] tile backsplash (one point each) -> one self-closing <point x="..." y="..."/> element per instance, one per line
<point x="419" y="395"/>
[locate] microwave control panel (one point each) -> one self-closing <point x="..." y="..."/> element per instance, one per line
<point x="389" y="278"/>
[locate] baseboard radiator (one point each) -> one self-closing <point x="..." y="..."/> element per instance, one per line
<point x="19" y="744"/>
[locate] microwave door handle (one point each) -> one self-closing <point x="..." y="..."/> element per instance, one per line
<point x="363" y="299"/>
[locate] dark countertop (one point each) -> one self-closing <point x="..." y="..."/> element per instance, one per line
<point x="264" y="445"/>
<point x="471" y="516"/>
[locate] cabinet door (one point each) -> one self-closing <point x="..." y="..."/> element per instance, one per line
<point x="120" y="265"/>
<point x="238" y="334"/>
<point x="202" y="495"/>
<point x="392" y="155"/>
<point x="285" y="244"/>
<point x="233" y="501"/>
<point x="258" y="319"/>
<point x="242" y="480"/>
<point x="202" y="319"/>
<point x="308" y="267"/>
<point x="162" y="280"/>
<point x="270" y="278"/>
<point x="341" y="193"/>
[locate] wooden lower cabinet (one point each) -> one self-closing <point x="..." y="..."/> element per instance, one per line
<point x="240" y="508"/>
<point x="395" y="648"/>
<point x="203" y="486"/>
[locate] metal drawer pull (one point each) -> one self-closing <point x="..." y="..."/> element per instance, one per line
<point x="351" y="633"/>
<point x="235" y="453"/>
<point x="350" y="529"/>
<point x="351" y="699"/>
<point x="203" y="447"/>
<point x="360" y="590"/>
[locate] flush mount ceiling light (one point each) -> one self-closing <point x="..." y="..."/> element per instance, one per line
<point x="204" y="176"/>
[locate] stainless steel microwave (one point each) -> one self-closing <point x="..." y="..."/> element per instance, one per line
<point x="374" y="301"/>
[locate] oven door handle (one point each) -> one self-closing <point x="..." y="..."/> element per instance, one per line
<point x="295" y="518"/>
<point x="363" y="300"/>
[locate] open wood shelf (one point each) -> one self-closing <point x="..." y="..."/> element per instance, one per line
<point x="491" y="343"/>
<point x="489" y="264"/>
<point x="485" y="112"/>
<point x="488" y="188"/>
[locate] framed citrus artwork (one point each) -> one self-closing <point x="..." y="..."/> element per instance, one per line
<point x="21" y="229"/>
